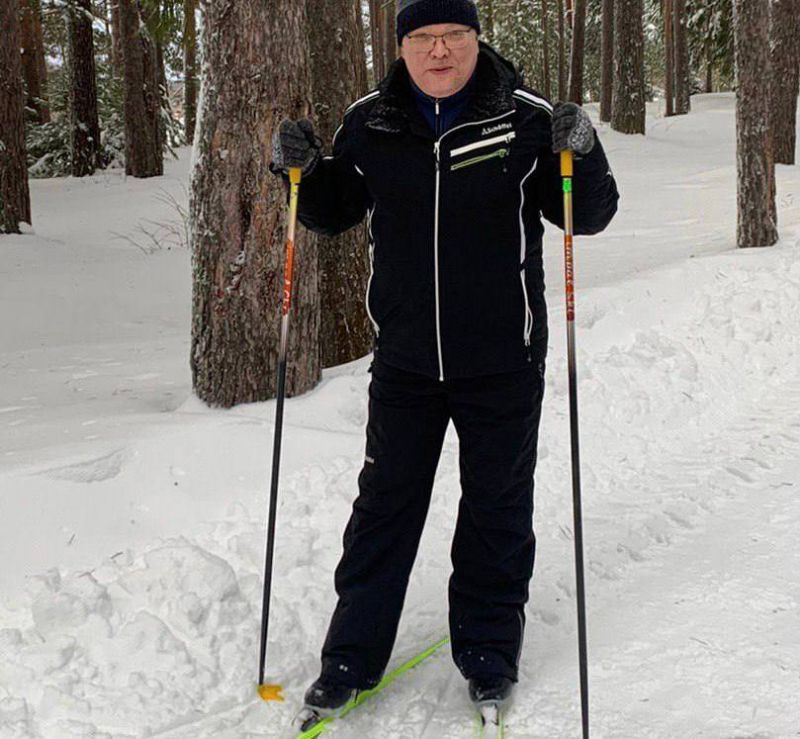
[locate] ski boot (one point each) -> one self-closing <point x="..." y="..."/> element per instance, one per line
<point x="323" y="699"/>
<point x="490" y="694"/>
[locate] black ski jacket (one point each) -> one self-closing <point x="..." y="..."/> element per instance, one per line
<point x="455" y="236"/>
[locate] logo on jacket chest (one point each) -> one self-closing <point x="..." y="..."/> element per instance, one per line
<point x="486" y="130"/>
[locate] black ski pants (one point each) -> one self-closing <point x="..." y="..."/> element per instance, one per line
<point x="496" y="418"/>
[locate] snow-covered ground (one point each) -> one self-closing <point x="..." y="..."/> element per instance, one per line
<point x="131" y="516"/>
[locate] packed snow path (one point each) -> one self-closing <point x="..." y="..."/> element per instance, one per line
<point x="125" y="615"/>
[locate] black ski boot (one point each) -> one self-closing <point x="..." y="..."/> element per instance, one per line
<point x="490" y="689"/>
<point x="490" y="694"/>
<point x="323" y="699"/>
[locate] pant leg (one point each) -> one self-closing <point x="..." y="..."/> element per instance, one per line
<point x="497" y="420"/>
<point x="407" y="421"/>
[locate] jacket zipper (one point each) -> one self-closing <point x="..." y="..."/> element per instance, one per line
<point x="528" y="322"/>
<point x="486" y="142"/>
<point x="371" y="271"/>
<point x="482" y="158"/>
<point x="436" y="150"/>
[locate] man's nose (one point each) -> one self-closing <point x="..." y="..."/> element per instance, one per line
<point x="440" y="49"/>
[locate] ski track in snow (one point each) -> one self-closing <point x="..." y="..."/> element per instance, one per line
<point x="690" y="419"/>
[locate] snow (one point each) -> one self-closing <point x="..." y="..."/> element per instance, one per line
<point x="132" y="516"/>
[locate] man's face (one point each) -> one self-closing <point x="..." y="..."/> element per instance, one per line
<point x="440" y="71"/>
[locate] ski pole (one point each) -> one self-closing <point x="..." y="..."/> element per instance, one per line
<point x="266" y="691"/>
<point x="569" y="268"/>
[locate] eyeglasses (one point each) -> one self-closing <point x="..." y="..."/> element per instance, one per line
<point x="425" y="42"/>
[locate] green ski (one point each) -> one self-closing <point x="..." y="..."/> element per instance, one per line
<point x="322" y="725"/>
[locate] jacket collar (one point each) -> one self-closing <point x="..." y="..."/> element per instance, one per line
<point x="492" y="95"/>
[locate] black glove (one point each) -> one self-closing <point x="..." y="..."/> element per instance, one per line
<point x="295" y="145"/>
<point x="572" y="129"/>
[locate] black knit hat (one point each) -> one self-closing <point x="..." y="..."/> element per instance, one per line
<point x="413" y="14"/>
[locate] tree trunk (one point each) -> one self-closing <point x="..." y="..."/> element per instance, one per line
<point x="34" y="69"/>
<point x="389" y="34"/>
<point x="785" y="34"/>
<point x="562" y="51"/>
<point x="709" y="66"/>
<point x="84" y="124"/>
<point x="756" y="223"/>
<point x="15" y="202"/>
<point x="256" y="71"/>
<point x="487" y="20"/>
<point x="143" y="153"/>
<point x="116" y="39"/>
<point x="189" y="68"/>
<point x="683" y="83"/>
<point x="576" y="57"/>
<point x="545" y="51"/>
<point x="339" y="71"/>
<point x="607" y="61"/>
<point x="669" y="58"/>
<point x="377" y="29"/>
<point x="628" y="114"/>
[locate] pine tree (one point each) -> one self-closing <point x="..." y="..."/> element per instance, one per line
<point x="682" y="71"/>
<point x="669" y="57"/>
<point x="15" y="202"/>
<point x="577" y="55"/>
<point x="562" y="53"/>
<point x="34" y="69"/>
<point x="756" y="224"/>
<point x="84" y="123"/>
<point x="607" y="61"/>
<point x="143" y="150"/>
<point x="116" y="39"/>
<point x="339" y="71"/>
<point x="785" y="32"/>
<point x="256" y="71"/>
<point x="628" y="114"/>
<point x="189" y="68"/>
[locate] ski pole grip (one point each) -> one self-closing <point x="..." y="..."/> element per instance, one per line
<point x="566" y="163"/>
<point x="295" y="173"/>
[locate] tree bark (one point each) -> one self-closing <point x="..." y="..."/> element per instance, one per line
<point x="143" y="153"/>
<point x="545" y="51"/>
<point x="683" y="83"/>
<point x="576" y="56"/>
<point x="34" y="69"/>
<point x="256" y="71"/>
<point x="189" y="68"/>
<point x="487" y="20"/>
<point x="15" y="202"/>
<point x="84" y="124"/>
<point x="116" y="39"/>
<point x="669" y="55"/>
<point x="756" y="223"/>
<point x="562" y="51"/>
<point x="785" y="33"/>
<point x="377" y="28"/>
<point x="709" y="87"/>
<point x="389" y="34"/>
<point x="628" y="115"/>
<point x="607" y="61"/>
<point x="339" y="72"/>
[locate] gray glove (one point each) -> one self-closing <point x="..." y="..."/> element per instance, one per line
<point x="295" y="145"/>
<point x="572" y="129"/>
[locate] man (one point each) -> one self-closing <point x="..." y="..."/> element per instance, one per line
<point x="452" y="161"/>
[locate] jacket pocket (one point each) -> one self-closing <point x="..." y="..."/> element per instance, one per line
<point x="499" y="153"/>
